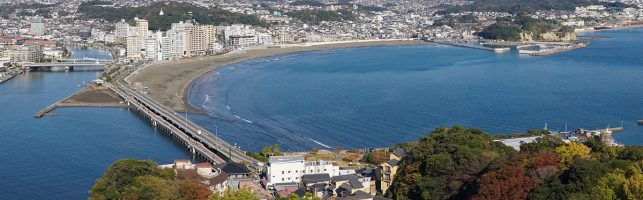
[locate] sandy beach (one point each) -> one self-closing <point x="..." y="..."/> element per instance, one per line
<point x="169" y="81"/>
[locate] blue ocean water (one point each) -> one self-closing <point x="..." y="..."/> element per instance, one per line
<point x="60" y="156"/>
<point x="380" y="96"/>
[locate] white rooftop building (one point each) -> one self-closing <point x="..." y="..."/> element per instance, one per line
<point x="290" y="169"/>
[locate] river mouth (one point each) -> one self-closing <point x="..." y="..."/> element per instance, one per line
<point x="380" y="96"/>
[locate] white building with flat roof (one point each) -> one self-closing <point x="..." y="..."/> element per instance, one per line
<point x="285" y="169"/>
<point x="290" y="169"/>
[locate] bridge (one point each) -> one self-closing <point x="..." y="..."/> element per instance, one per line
<point x="157" y="120"/>
<point x="74" y="60"/>
<point x="70" y="65"/>
<point x="198" y="139"/>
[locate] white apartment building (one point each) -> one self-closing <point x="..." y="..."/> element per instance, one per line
<point x="38" y="26"/>
<point x="321" y="167"/>
<point x="143" y="31"/>
<point x="133" y="44"/>
<point x="289" y="169"/>
<point x="151" y="48"/>
<point x="120" y="32"/>
<point x="176" y="42"/>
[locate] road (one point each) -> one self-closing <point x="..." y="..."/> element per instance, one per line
<point x="202" y="135"/>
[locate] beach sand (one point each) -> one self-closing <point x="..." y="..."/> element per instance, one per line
<point x="169" y="81"/>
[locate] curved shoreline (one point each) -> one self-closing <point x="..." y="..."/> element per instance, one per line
<point x="166" y="80"/>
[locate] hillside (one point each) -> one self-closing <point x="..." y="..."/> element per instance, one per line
<point x="460" y="163"/>
<point x="173" y="12"/>
<point x="519" y="6"/>
<point x="525" y="28"/>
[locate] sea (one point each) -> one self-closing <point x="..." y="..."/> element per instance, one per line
<point x="380" y="96"/>
<point x="61" y="155"/>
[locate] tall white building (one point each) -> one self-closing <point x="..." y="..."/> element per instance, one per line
<point x="38" y="26"/>
<point x="176" y="41"/>
<point x="133" y="44"/>
<point x="120" y="32"/>
<point x="143" y="32"/>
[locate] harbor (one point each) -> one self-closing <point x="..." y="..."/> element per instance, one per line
<point x="577" y="135"/>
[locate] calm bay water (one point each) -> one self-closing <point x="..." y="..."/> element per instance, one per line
<point x="60" y="156"/>
<point x="380" y="96"/>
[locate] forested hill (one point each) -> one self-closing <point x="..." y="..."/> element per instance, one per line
<point x="520" y="6"/>
<point x="173" y="12"/>
<point x="461" y="163"/>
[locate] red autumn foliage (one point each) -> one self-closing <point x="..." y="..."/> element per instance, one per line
<point x="194" y="190"/>
<point x="507" y="183"/>
<point x="544" y="159"/>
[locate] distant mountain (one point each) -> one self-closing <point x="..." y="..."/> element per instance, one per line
<point x="173" y="12"/>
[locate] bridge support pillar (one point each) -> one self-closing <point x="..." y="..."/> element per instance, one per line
<point x="154" y="123"/>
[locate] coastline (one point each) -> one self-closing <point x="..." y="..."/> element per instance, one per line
<point x="165" y="78"/>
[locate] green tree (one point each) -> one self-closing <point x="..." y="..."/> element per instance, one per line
<point x="241" y="194"/>
<point x="152" y="187"/>
<point x="122" y="173"/>
<point x="634" y="187"/>
<point x="444" y="163"/>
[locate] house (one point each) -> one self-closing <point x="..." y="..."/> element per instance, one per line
<point x="311" y="179"/>
<point x="257" y="190"/>
<point x="183" y="164"/>
<point x="375" y="176"/>
<point x="236" y="170"/>
<point x="388" y="169"/>
<point x="205" y="173"/>
<point x="346" y="185"/>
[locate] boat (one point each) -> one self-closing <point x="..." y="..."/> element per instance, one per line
<point x="640" y="122"/>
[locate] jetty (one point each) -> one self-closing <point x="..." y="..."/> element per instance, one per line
<point x="468" y="45"/>
<point x="554" y="50"/>
<point x="45" y="111"/>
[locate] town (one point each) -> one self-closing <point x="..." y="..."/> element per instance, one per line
<point x="37" y="35"/>
<point x="41" y="30"/>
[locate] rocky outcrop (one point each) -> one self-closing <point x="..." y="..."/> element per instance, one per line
<point x="550" y="36"/>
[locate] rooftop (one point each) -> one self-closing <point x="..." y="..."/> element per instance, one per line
<point x="278" y="159"/>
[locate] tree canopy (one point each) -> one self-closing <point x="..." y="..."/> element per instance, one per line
<point x="461" y="163"/>
<point x="173" y="12"/>
<point x="143" y="179"/>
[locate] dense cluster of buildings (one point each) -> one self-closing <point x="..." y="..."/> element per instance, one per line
<point x="284" y="176"/>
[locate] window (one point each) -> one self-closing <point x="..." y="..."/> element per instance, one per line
<point x="296" y="171"/>
<point x="289" y="172"/>
<point x="282" y="172"/>
<point x="324" y="169"/>
<point x="282" y="179"/>
<point x="288" y="178"/>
